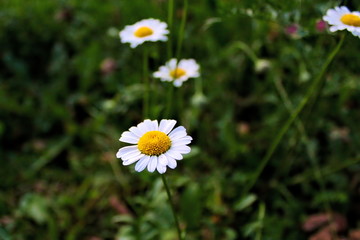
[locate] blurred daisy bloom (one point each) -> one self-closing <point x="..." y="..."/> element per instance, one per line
<point x="150" y="29"/>
<point x="178" y="72"/>
<point x="342" y="18"/>
<point x="157" y="146"/>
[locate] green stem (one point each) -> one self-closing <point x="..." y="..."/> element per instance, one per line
<point x="261" y="216"/>
<point x="172" y="206"/>
<point x="146" y="99"/>
<point x="182" y="30"/>
<point x="170" y="92"/>
<point x="169" y="100"/>
<point x="170" y="23"/>
<point x="304" y="138"/>
<point x="308" y="176"/>
<point x="247" y="50"/>
<point x="180" y="103"/>
<point x="293" y="117"/>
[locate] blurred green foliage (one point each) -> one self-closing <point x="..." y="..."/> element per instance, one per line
<point x="69" y="88"/>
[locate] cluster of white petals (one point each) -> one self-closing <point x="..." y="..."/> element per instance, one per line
<point x="150" y="29"/>
<point x="178" y="71"/>
<point x="341" y="18"/>
<point x="156" y="145"/>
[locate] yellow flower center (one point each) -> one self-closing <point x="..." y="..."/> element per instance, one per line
<point x="351" y="20"/>
<point x="143" y="32"/>
<point x="178" y="72"/>
<point x="154" y="143"/>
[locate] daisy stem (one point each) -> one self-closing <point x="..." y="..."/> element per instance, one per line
<point x="182" y="29"/>
<point x="311" y="91"/>
<point x="304" y="139"/>
<point x="170" y="94"/>
<point x="172" y="205"/>
<point x="147" y="85"/>
<point x="180" y="102"/>
<point x="170" y="22"/>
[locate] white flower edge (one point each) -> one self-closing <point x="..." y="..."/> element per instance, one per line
<point x="159" y="32"/>
<point x="131" y="154"/>
<point x="189" y="65"/>
<point x="333" y="17"/>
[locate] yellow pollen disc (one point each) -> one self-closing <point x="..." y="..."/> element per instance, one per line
<point x="351" y="20"/>
<point x="178" y="72"/>
<point x="143" y="32"/>
<point x="154" y="143"/>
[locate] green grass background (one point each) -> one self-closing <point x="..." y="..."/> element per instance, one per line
<point x="61" y="117"/>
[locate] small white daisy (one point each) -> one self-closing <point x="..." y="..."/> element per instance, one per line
<point x="145" y="30"/>
<point x="156" y="145"/>
<point x="178" y="72"/>
<point x="342" y="18"/>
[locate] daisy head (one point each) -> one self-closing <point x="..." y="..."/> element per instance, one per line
<point x="341" y="18"/>
<point x="178" y="71"/>
<point x="146" y="30"/>
<point x="155" y="146"/>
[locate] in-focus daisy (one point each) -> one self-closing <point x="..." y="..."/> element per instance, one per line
<point x="157" y="146"/>
<point x="178" y="72"/>
<point x="146" y="30"/>
<point x="342" y="18"/>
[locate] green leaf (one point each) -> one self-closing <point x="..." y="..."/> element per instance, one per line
<point x="245" y="202"/>
<point x="35" y="207"/>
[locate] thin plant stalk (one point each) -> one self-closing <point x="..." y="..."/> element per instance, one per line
<point x="304" y="138"/>
<point x="311" y="91"/>
<point x="172" y="206"/>
<point x="308" y="175"/>
<point x="170" y="93"/>
<point x="261" y="216"/>
<point x="146" y="99"/>
<point x="170" y="88"/>
<point x="178" y="51"/>
<point x="170" y="24"/>
<point x="182" y="29"/>
<point x="169" y="100"/>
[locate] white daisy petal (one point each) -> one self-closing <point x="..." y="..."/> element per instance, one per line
<point x="142" y="127"/>
<point x="171" y="63"/>
<point x="125" y="150"/>
<point x="142" y="163"/>
<point x="174" y="154"/>
<point x="150" y="125"/>
<point x="131" y="155"/>
<point x="181" y="149"/>
<point x="155" y="125"/>
<point x="132" y="160"/>
<point x="128" y="137"/>
<point x="166" y="125"/>
<point x="161" y="169"/>
<point x="181" y="141"/>
<point x="163" y="160"/>
<point x="136" y="131"/>
<point x="177" y="133"/>
<point x="178" y="83"/>
<point x="171" y="162"/>
<point x="152" y="164"/>
<point x="129" y="134"/>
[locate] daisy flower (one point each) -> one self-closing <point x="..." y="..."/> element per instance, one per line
<point x="342" y="18"/>
<point x="150" y="29"/>
<point x="178" y="72"/>
<point x="157" y="146"/>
